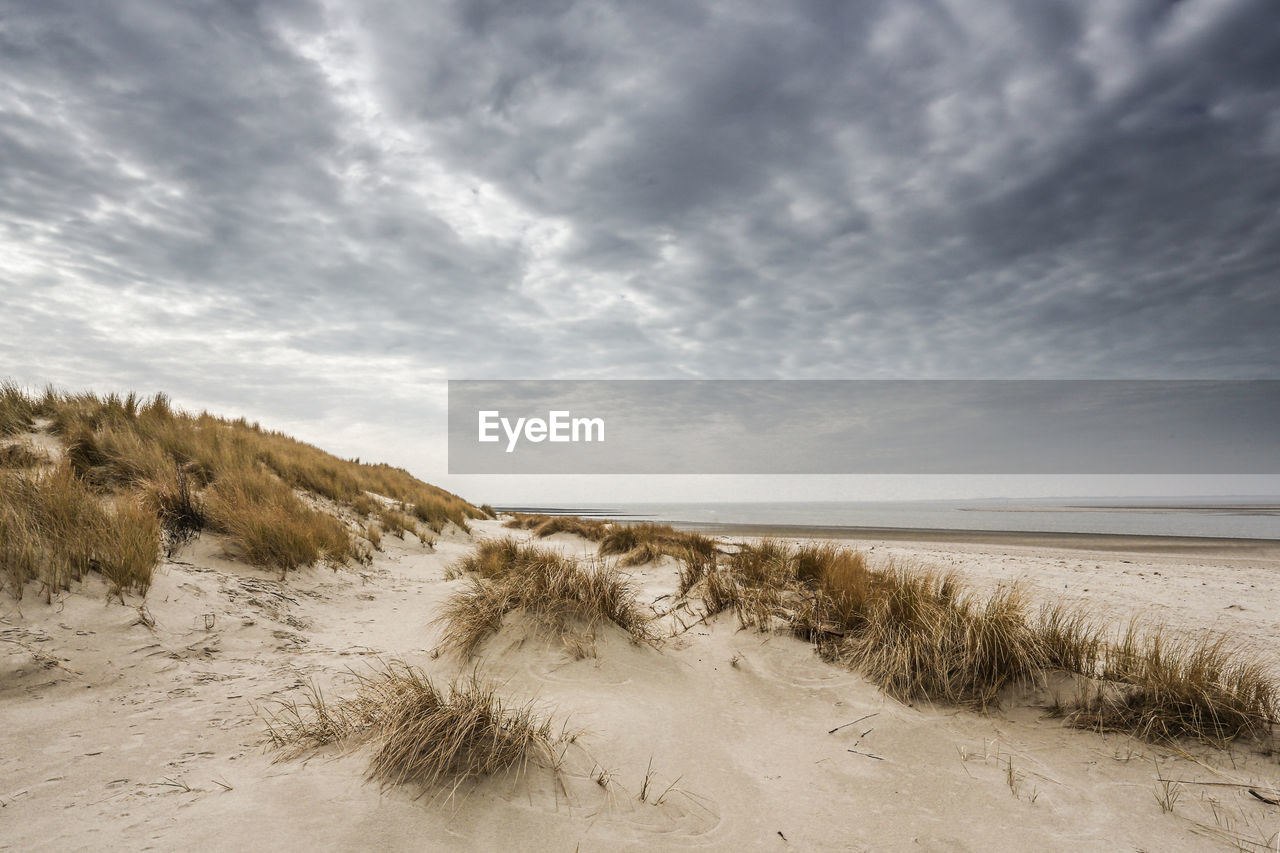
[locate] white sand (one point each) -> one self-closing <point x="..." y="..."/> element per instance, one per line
<point x="116" y="735"/>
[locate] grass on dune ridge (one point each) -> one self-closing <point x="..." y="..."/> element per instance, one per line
<point x="640" y="543"/>
<point x="135" y="465"/>
<point x="543" y="526"/>
<point x="568" y="596"/>
<point x="17" y="410"/>
<point x="633" y="543"/>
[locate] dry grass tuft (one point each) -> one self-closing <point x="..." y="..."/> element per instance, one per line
<point x="173" y="499"/>
<point x="437" y="512"/>
<point x="267" y="525"/>
<point x="1073" y="639"/>
<point x="17" y="410"/>
<point x="373" y="534"/>
<point x="525" y="520"/>
<point x="643" y="543"/>
<point x="363" y="505"/>
<point x="546" y="525"/>
<point x="22" y="454"/>
<point x="756" y="605"/>
<point x="395" y="522"/>
<point x="438" y="738"/>
<point x="127" y="546"/>
<point x="917" y="635"/>
<point x="493" y="557"/>
<point x="588" y="528"/>
<point x="1162" y="687"/>
<point x="54" y="529"/>
<point x="695" y="566"/>
<point x="567" y="596"/>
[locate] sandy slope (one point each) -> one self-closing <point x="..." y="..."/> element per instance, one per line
<point x="119" y="735"/>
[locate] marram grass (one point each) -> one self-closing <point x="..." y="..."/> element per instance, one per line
<point x="922" y="635"/>
<point x="420" y="733"/>
<point x="568" y="596"/>
<point x="134" y="465"/>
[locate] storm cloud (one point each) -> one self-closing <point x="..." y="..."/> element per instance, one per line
<point x="317" y="211"/>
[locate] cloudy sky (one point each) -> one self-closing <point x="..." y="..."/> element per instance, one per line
<point x="313" y="213"/>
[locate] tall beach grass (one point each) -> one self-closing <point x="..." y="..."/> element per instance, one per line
<point x="134" y="465"/>
<point x="418" y="732"/>
<point x="567" y="596"/>
<point x="921" y="634"/>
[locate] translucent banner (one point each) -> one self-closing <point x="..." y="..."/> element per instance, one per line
<point x="864" y="427"/>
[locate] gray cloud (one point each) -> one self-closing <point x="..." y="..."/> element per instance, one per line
<point x="309" y="209"/>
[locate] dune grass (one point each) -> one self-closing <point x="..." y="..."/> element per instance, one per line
<point x="633" y="544"/>
<point x="373" y="533"/>
<point x="757" y="582"/>
<point x="543" y="525"/>
<point x="116" y="440"/>
<point x="921" y="634"/>
<point x="567" y="596"/>
<point x="22" y="454"/>
<point x="265" y="524"/>
<point x="127" y="546"/>
<point x="395" y="522"/>
<point x="1161" y="686"/>
<point x="695" y="565"/>
<point x="195" y="472"/>
<point x="1074" y="640"/>
<point x="588" y="528"/>
<point x="918" y="635"/>
<point x="419" y="733"/>
<point x="363" y="505"/>
<point x="914" y="633"/>
<point x="172" y="497"/>
<point x="494" y="557"/>
<point x="17" y="410"/>
<point x="525" y="520"/>
<point x="55" y="529"/>
<point x="641" y="543"/>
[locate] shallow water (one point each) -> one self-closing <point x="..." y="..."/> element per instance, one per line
<point x="1224" y="518"/>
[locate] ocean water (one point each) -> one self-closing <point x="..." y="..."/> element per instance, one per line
<point x="1251" y="518"/>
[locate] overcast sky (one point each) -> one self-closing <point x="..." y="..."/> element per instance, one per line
<point x="313" y="213"/>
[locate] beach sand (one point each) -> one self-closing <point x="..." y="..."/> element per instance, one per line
<point x="137" y="727"/>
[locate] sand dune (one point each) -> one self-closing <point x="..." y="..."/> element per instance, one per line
<point x="139" y="726"/>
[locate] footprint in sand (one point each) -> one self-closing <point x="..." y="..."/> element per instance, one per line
<point x="601" y="657"/>
<point x="787" y="667"/>
<point x="563" y="669"/>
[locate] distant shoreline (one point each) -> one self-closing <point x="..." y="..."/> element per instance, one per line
<point x="1229" y="509"/>
<point x="1073" y="541"/>
<point x="800" y="527"/>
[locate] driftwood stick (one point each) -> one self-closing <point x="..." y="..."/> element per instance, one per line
<point x="846" y="725"/>
<point x="1219" y="784"/>
<point x="1273" y="800"/>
